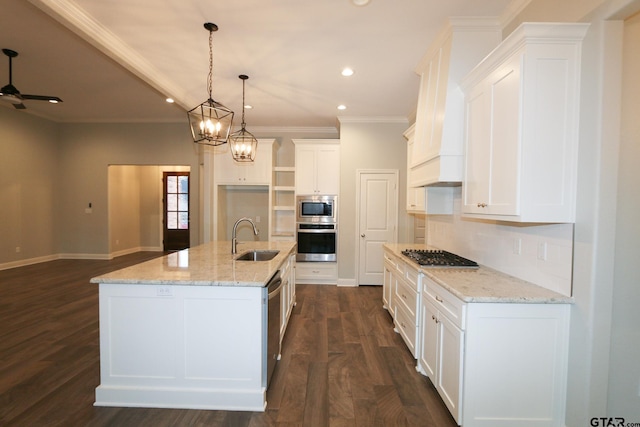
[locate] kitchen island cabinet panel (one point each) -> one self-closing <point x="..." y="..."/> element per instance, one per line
<point x="181" y="347"/>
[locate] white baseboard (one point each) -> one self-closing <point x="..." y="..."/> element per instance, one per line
<point x="347" y="283"/>
<point x="29" y="261"/>
<point x="47" y="258"/>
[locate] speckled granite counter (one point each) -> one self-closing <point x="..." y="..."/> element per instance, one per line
<point x="482" y="284"/>
<point x="210" y="264"/>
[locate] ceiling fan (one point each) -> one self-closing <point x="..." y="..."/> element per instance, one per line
<point x="11" y="94"/>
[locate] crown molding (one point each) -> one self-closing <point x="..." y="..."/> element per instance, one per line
<point x="76" y="19"/>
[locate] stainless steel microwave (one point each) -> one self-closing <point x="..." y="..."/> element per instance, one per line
<point x="316" y="209"/>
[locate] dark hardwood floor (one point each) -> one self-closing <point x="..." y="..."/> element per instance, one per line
<point x="342" y="364"/>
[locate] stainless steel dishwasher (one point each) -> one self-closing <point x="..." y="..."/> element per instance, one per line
<point x="273" y="324"/>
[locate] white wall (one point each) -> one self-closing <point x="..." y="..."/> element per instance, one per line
<point x="624" y="373"/>
<point x="515" y="249"/>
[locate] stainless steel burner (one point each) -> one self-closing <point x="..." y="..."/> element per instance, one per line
<point x="437" y="258"/>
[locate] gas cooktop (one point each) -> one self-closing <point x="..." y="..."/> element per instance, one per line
<point x="437" y="258"/>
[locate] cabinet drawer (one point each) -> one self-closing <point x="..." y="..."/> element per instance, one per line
<point x="407" y="297"/>
<point x="406" y="326"/>
<point x="316" y="271"/>
<point x="394" y="263"/>
<point x="449" y="305"/>
<point x="413" y="278"/>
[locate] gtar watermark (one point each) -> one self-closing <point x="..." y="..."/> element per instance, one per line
<point x="611" y="422"/>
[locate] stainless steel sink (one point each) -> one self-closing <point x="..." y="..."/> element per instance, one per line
<point x="256" y="255"/>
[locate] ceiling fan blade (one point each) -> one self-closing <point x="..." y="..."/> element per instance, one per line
<point x="41" y="98"/>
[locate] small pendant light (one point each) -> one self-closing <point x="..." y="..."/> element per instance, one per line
<point x="243" y="143"/>
<point x="210" y="121"/>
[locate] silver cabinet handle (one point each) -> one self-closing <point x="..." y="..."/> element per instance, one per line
<point x="439" y="299"/>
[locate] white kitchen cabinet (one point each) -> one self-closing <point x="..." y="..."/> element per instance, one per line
<point x="442" y="344"/>
<point x="437" y="154"/>
<point x="388" y="284"/>
<point x="521" y="126"/>
<point x="495" y="364"/>
<point x="317" y="273"/>
<point x="317" y="166"/>
<point x="288" y="294"/>
<point x="228" y="171"/>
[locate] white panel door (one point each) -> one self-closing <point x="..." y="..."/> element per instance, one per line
<point x="377" y="222"/>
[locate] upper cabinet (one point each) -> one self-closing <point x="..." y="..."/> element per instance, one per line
<point x="437" y="151"/>
<point x="228" y="171"/>
<point x="317" y="166"/>
<point x="521" y="126"/>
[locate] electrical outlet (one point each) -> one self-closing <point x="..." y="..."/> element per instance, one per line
<point x="18" y="249"/>
<point x="517" y="246"/>
<point x="542" y="251"/>
<point x="164" y="291"/>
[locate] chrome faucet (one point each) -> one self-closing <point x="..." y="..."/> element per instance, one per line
<point x="234" y="240"/>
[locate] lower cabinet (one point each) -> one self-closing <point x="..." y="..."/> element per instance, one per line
<point x="287" y="294"/>
<point x="495" y="364"/>
<point x="442" y="346"/>
<point x="499" y="364"/>
<point x="317" y="273"/>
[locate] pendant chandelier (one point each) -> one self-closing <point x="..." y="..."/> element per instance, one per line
<point x="243" y="143"/>
<point x="210" y="121"/>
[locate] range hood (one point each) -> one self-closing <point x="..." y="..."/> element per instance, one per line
<point x="438" y="150"/>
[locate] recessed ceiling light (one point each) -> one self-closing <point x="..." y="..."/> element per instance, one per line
<point x="360" y="2"/>
<point x="248" y="107"/>
<point x="347" y="72"/>
<point x="170" y="100"/>
<point x="342" y="107"/>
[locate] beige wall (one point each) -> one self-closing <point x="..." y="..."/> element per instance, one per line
<point x="87" y="150"/>
<point x="368" y="145"/>
<point x="29" y="184"/>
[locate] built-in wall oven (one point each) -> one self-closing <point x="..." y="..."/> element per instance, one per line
<point x="316" y="229"/>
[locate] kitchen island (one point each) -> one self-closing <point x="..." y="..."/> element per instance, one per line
<point x="188" y="330"/>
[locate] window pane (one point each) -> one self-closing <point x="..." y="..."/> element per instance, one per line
<point x="183" y="220"/>
<point x="172" y="202"/>
<point x="172" y="220"/>
<point x="183" y="202"/>
<point x="183" y="182"/>
<point x="172" y="184"/>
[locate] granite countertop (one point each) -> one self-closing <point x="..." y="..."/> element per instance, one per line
<point x="209" y="264"/>
<point x="482" y="284"/>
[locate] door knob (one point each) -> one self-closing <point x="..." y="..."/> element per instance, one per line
<point x="362" y="235"/>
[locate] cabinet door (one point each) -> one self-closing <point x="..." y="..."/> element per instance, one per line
<point x="450" y="366"/>
<point x="429" y="337"/>
<point x="228" y="171"/>
<point x="387" y="285"/>
<point x="492" y="180"/>
<point x="505" y="110"/>
<point x="328" y="170"/>
<point x="478" y="134"/>
<point x="305" y="170"/>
